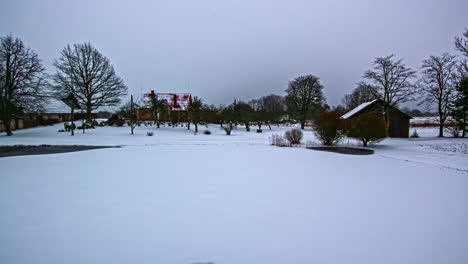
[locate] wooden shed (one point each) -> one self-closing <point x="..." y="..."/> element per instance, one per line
<point x="399" y="121"/>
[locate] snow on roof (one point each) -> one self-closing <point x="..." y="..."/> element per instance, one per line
<point x="55" y="106"/>
<point x="357" y="109"/>
<point x="175" y="101"/>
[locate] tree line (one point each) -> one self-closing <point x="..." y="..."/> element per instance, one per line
<point x="83" y="71"/>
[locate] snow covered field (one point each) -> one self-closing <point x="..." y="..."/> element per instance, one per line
<point x="177" y="198"/>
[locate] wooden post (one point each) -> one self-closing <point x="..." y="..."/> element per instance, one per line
<point x="72" y="124"/>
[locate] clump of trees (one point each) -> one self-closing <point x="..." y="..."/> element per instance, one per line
<point x="368" y="128"/>
<point x="329" y="128"/>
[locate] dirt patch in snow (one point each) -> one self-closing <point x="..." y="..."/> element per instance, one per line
<point x="345" y="150"/>
<point x="21" y="150"/>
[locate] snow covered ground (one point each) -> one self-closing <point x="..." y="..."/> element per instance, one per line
<point x="177" y="198"/>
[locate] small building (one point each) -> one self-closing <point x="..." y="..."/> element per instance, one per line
<point x="399" y="122"/>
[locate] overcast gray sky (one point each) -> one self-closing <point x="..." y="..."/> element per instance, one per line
<point x="221" y="50"/>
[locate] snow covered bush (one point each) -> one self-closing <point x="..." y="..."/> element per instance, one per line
<point x="149" y="134"/>
<point x="368" y="128"/>
<point x="294" y="136"/>
<point x="328" y="128"/>
<point x="278" y="140"/>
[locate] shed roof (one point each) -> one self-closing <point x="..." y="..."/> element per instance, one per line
<point x="55" y="106"/>
<point x="357" y="109"/>
<point x="363" y="106"/>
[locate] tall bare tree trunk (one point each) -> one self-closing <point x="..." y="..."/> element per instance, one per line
<point x="441" y="126"/>
<point x="7" y="125"/>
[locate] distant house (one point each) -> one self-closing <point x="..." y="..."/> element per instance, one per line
<point x="56" y="111"/>
<point x="177" y="104"/>
<point x="399" y="121"/>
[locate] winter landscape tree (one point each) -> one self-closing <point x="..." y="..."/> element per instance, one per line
<point x="361" y="94"/>
<point x="273" y="107"/>
<point x="392" y="79"/>
<point x="22" y="80"/>
<point x="195" y="112"/>
<point x="129" y="112"/>
<point x="460" y="107"/>
<point x="304" y="98"/>
<point x="243" y="113"/>
<point x="157" y="108"/>
<point x="438" y="86"/>
<point x="89" y="75"/>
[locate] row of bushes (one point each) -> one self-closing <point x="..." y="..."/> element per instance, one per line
<point x="329" y="128"/>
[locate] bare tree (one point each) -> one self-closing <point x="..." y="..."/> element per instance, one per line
<point x="438" y="85"/>
<point x="392" y="79"/>
<point x="361" y="94"/>
<point x="304" y="97"/>
<point x="22" y="80"/>
<point x="89" y="75"/>
<point x="133" y="117"/>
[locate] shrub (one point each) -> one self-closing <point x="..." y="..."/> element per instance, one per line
<point x="278" y="140"/>
<point x="115" y="120"/>
<point x="329" y="128"/>
<point x="207" y="132"/>
<point x="368" y="127"/>
<point x="149" y="134"/>
<point x="294" y="136"/>
<point x="227" y="128"/>
<point x="415" y="134"/>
